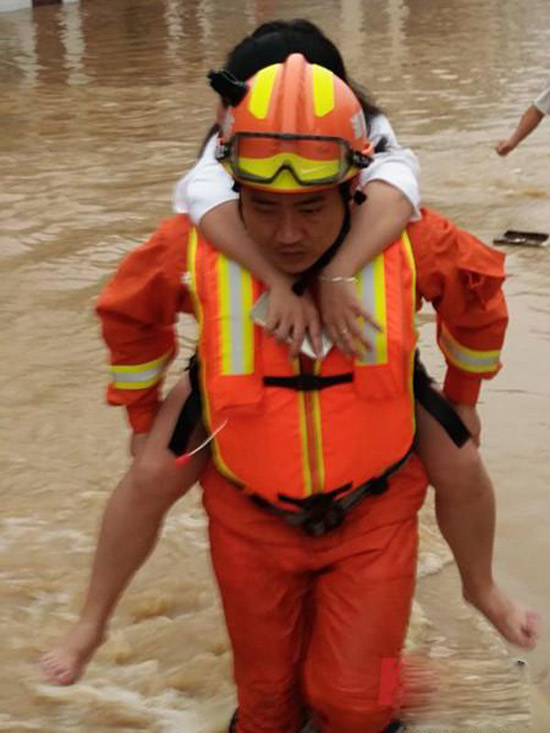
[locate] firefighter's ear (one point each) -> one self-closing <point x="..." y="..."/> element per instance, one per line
<point x="220" y="114"/>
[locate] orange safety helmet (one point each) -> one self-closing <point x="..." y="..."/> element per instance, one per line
<point x="298" y="127"/>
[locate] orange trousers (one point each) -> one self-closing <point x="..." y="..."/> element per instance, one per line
<point x="314" y="621"/>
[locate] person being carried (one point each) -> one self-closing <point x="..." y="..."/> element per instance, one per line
<point x="528" y="122"/>
<point x="464" y="497"/>
<point x="390" y="185"/>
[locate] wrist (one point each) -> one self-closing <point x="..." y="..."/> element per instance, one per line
<point x="323" y="277"/>
<point x="461" y="389"/>
<point x="336" y="268"/>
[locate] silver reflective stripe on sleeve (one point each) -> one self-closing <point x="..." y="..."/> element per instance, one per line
<point x="466" y="359"/>
<point x="139" y="376"/>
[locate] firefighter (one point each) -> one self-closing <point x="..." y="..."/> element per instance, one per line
<point x="313" y="492"/>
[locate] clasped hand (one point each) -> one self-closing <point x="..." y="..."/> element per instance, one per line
<point x="291" y="317"/>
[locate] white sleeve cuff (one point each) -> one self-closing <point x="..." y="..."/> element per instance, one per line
<point x="542" y="102"/>
<point x="399" y="168"/>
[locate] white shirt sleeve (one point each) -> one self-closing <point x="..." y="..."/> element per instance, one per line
<point x="204" y="187"/>
<point x="397" y="166"/>
<point x="542" y="102"/>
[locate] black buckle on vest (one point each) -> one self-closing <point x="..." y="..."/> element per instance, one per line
<point x="378" y="485"/>
<point x="321" y="513"/>
<point x="328" y="518"/>
<point x="308" y="382"/>
<point x="318" y="514"/>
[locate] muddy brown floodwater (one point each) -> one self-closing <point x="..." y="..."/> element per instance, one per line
<point x="102" y="106"/>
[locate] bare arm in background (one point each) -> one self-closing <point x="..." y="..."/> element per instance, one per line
<point x="529" y="121"/>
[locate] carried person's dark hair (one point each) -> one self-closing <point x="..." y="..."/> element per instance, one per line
<point x="273" y="42"/>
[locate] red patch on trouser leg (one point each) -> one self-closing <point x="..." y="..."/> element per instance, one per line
<point x="363" y="608"/>
<point x="312" y="619"/>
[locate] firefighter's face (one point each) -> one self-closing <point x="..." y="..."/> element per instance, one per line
<point x="292" y="229"/>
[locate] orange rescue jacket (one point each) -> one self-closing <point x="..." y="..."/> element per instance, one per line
<point x="457" y="273"/>
<point x="293" y="433"/>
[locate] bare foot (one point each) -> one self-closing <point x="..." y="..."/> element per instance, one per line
<point x="65" y="664"/>
<point x="516" y="623"/>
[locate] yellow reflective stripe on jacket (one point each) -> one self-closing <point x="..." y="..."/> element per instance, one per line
<point x="192" y="252"/>
<point x="311" y="436"/>
<point x="465" y="358"/>
<point x="304" y="439"/>
<point x="191" y="274"/>
<point x="237" y="328"/>
<point x="405" y="239"/>
<point x="371" y="292"/>
<point x="139" y="376"/>
<point x="318" y="423"/>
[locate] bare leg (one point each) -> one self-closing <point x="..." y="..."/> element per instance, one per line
<point x="465" y="509"/>
<point x="129" y="531"/>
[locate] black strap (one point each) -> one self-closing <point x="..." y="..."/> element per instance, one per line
<point x="320" y="513"/>
<point x="308" y="382"/>
<point x="230" y="89"/>
<point x="381" y="145"/>
<point x="190" y="414"/>
<point x="396" y="726"/>
<point x="438" y="406"/>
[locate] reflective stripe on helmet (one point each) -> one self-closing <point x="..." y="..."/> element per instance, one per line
<point x="262" y="90"/>
<point x="294" y="101"/>
<point x="323" y="90"/>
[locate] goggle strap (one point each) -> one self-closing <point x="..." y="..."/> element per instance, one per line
<point x="360" y="160"/>
<point x="230" y="89"/>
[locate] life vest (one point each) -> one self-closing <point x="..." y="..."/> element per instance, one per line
<point x="287" y="429"/>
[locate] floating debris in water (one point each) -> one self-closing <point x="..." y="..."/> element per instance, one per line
<point x="522" y="239"/>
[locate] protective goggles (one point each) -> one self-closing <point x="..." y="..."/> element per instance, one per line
<point x="274" y="160"/>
